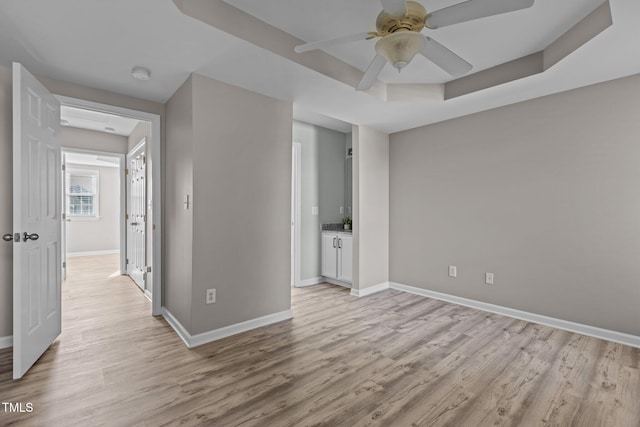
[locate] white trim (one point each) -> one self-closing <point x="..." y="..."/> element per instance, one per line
<point x="217" y="334"/>
<point x="92" y="253"/>
<point x="147" y="294"/>
<point x="370" y="290"/>
<point x="137" y="147"/>
<point x="592" y="331"/>
<point x="156" y="182"/>
<point x="296" y="185"/>
<point x="337" y="282"/>
<point x="6" y="342"/>
<point x="310" y="282"/>
<point x="177" y="326"/>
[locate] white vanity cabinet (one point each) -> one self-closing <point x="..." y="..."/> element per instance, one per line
<point x="337" y="256"/>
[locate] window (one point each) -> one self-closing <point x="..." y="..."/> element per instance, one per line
<point x="82" y="193"/>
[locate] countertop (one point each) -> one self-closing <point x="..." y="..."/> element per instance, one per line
<point x="335" y="228"/>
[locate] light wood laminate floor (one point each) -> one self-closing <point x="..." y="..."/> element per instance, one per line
<point x="390" y="359"/>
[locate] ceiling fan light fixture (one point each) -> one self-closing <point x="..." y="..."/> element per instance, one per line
<point x="400" y="48"/>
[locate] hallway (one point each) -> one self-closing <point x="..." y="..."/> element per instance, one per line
<point x="108" y="334"/>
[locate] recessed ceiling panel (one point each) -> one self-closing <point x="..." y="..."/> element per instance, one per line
<point x="484" y="42"/>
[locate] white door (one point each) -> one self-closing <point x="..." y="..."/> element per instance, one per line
<point x="136" y="213"/>
<point x="345" y="258"/>
<point x="37" y="194"/>
<point x="329" y="255"/>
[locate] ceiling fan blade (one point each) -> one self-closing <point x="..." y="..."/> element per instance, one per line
<point x="474" y="9"/>
<point x="322" y="44"/>
<point x="444" y="58"/>
<point x="395" y="8"/>
<point x="372" y="72"/>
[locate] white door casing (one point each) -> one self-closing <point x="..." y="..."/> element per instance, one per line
<point x="37" y="194"/>
<point x="63" y="228"/>
<point x="136" y="211"/>
<point x="155" y="198"/>
<point x="296" y="184"/>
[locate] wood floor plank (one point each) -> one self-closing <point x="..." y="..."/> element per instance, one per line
<point x="389" y="359"/>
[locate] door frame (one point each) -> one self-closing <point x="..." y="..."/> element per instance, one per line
<point x="123" y="207"/>
<point x="155" y="158"/>
<point x="296" y="194"/>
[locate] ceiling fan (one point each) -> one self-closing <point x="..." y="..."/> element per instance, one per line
<point x="399" y="27"/>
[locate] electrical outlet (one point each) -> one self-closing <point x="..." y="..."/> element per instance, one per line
<point x="211" y="296"/>
<point x="488" y="278"/>
<point x="453" y="271"/>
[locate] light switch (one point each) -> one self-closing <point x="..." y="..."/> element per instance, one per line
<point x="315" y="210"/>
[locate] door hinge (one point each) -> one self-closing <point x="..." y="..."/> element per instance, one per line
<point x="126" y="216"/>
<point x="148" y="269"/>
<point x="126" y="171"/>
<point x="144" y="276"/>
<point x="64" y="216"/>
<point x="64" y="167"/>
<point x="127" y="260"/>
<point x="64" y="264"/>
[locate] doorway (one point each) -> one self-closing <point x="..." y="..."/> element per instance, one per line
<point x="93" y="204"/>
<point x="152" y="273"/>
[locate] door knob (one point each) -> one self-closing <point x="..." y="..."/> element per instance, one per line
<point x="32" y="236"/>
<point x="9" y="237"/>
<point x="134" y="223"/>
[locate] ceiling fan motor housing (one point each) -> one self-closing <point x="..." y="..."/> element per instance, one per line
<point x="414" y="20"/>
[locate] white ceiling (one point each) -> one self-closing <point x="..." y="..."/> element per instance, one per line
<point x="96" y="121"/>
<point x="484" y="43"/>
<point x="97" y="42"/>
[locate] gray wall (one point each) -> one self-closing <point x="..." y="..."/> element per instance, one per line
<point x="104" y="231"/>
<point x="323" y="180"/>
<point x="142" y="130"/>
<point x="545" y="194"/>
<point x="6" y="196"/>
<point x="178" y="233"/>
<point x="230" y="149"/>
<point x="370" y="207"/>
<point x="242" y="194"/>
<point x="91" y="140"/>
<point x="102" y="234"/>
<point x="6" y="167"/>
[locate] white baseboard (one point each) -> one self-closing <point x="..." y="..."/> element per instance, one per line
<point x="207" y="337"/>
<point x="310" y="282"/>
<point x="92" y="253"/>
<point x="592" y="331"/>
<point x="370" y="290"/>
<point x="337" y="282"/>
<point x="6" y="342"/>
<point x="147" y="294"/>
